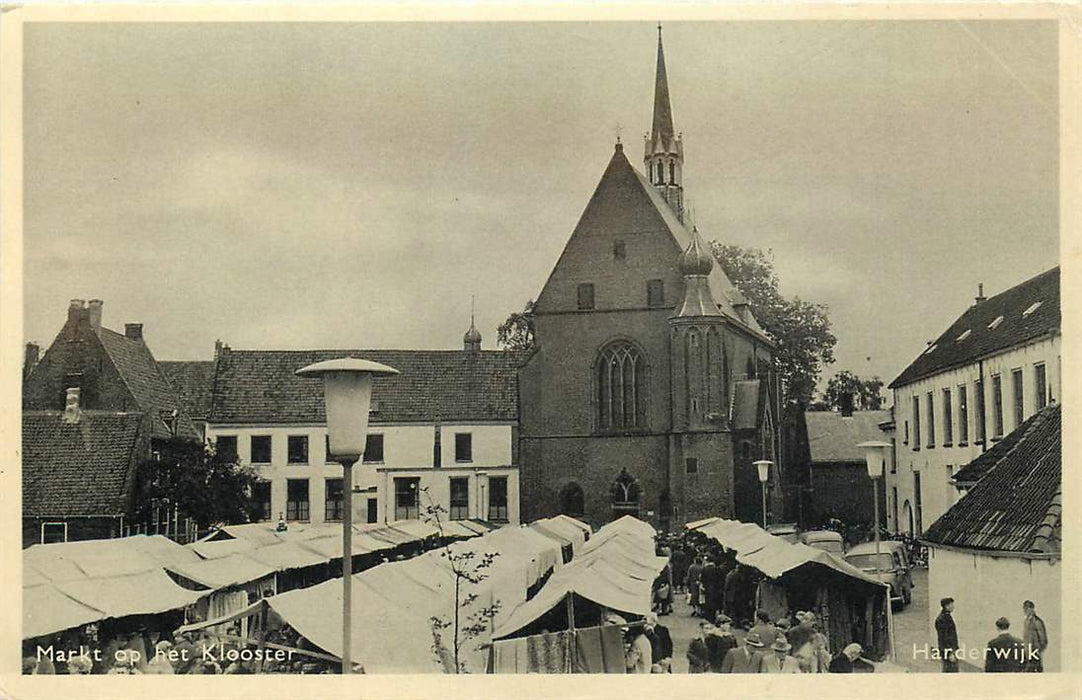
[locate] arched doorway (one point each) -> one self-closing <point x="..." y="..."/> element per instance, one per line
<point x="907" y="518"/>
<point x="572" y="500"/>
<point x="625" y="496"/>
<point x="664" y="511"/>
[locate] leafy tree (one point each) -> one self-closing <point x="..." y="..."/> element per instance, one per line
<point x="800" y="330"/>
<point x="517" y="332"/>
<point x="866" y="393"/>
<point x="468" y="569"/>
<point x="205" y="486"/>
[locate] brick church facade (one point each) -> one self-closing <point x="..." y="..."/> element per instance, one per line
<point x="650" y="390"/>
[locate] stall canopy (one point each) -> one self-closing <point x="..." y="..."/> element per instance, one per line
<point x="399" y="599"/>
<point x="564" y="529"/>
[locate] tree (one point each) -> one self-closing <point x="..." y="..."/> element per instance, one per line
<point x="865" y="392"/>
<point x="468" y="569"/>
<point x="208" y="487"/>
<point x="803" y="341"/>
<point x="517" y="332"/>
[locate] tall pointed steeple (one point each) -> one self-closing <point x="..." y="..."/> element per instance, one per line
<point x="664" y="152"/>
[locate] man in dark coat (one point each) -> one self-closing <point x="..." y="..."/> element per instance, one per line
<point x="745" y="659"/>
<point x="719" y="642"/>
<point x="947" y="636"/>
<point x="660" y="644"/>
<point x="698" y="654"/>
<point x="1005" y="652"/>
<point x="1035" y="635"/>
<point x="708" y="582"/>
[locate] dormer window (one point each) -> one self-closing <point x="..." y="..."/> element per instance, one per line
<point x="1032" y="307"/>
<point x="965" y="334"/>
<point x="931" y="347"/>
<point x="995" y="324"/>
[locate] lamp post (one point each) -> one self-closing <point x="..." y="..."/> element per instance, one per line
<point x="763" y="465"/>
<point x="874" y="456"/>
<point x="347" y="395"/>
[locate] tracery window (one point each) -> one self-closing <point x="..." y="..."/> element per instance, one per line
<point x="621" y="387"/>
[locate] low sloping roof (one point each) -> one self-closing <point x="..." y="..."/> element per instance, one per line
<point x="232" y="570"/>
<point x="147" y="383"/>
<point x="192" y="382"/>
<point x="1016" y="505"/>
<point x="47" y="610"/>
<point x="1015" y="328"/>
<point x="451" y="385"/>
<point x="834" y="438"/>
<point x="78" y="469"/>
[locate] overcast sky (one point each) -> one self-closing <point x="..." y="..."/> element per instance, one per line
<point x="352" y="185"/>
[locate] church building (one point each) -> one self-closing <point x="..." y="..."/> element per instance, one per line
<point x="650" y="390"/>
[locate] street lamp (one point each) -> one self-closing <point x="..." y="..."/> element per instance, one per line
<point x="764" y="465"/>
<point x="347" y="394"/>
<point x="874" y="457"/>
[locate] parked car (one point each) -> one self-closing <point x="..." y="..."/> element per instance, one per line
<point x="893" y="566"/>
<point x="826" y="540"/>
<point x="787" y="531"/>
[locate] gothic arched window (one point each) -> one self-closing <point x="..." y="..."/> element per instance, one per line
<point x="621" y="387"/>
<point x="672" y="171"/>
<point x="625" y="495"/>
<point x="660" y="172"/>
<point x="572" y="500"/>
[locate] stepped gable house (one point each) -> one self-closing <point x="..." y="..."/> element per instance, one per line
<point x="650" y="390"/>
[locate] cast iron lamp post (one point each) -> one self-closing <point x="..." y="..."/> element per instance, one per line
<point x="763" y="465"/>
<point x="347" y="394"/>
<point x="874" y="456"/>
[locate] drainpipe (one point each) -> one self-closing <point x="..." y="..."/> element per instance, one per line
<point x="982" y="414"/>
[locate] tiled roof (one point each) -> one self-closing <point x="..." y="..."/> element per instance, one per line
<point x="745" y="410"/>
<point x="985" y="336"/>
<point x="146" y="381"/>
<point x="192" y="382"/>
<point x="1016" y="506"/>
<point x="72" y="469"/>
<point x="834" y="438"/>
<point x="254" y="386"/>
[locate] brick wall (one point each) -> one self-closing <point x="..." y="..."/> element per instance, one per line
<point x="843" y="490"/>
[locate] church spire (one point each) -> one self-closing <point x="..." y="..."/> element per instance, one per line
<point x="664" y="152"/>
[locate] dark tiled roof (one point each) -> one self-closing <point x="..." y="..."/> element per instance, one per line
<point x="146" y="382"/>
<point x="833" y="438"/>
<point x="73" y="469"/>
<point x="193" y="382"/>
<point x="1016" y="506"/>
<point x="948" y="352"/>
<point x="745" y="411"/>
<point x="452" y="385"/>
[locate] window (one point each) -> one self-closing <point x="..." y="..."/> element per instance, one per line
<point x="1019" y="403"/>
<point x="373" y="448"/>
<point x="585" y="296"/>
<point x="661" y="172"/>
<point x="1031" y="308"/>
<point x="905" y="434"/>
<point x="261" y="496"/>
<point x="460" y="498"/>
<point x="997" y="405"/>
<point x="894" y="455"/>
<point x="745" y="450"/>
<point x="963" y="416"/>
<point x="919" y="507"/>
<point x="625" y="495"/>
<point x="297" y="499"/>
<point x="226" y="446"/>
<point x="297" y="449"/>
<point x="621" y="388"/>
<point x="672" y="171"/>
<point x="916" y="423"/>
<point x="406" y="497"/>
<point x="894" y="509"/>
<point x="655" y="293"/>
<point x="948" y="419"/>
<point x="691" y="465"/>
<point x="497" y="499"/>
<point x="372" y="510"/>
<point x="333" y="505"/>
<point x="54" y="532"/>
<point x="1040" y="386"/>
<point x="931" y="420"/>
<point x="572" y="500"/>
<point x="437" y="445"/>
<point x="261" y="449"/>
<point x="619" y="250"/>
<point x="463" y="447"/>
<point x="995" y="323"/>
<point x="965" y="334"/>
<point x="982" y="411"/>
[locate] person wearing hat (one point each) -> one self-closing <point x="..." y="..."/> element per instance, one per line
<point x="698" y="654"/>
<point x="843" y="662"/>
<point x="720" y="642"/>
<point x="780" y="661"/>
<point x="1006" y="653"/>
<point x="947" y="636"/>
<point x="745" y="659"/>
<point x="764" y="627"/>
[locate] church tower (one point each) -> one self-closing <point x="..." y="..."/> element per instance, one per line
<point x="664" y="152"/>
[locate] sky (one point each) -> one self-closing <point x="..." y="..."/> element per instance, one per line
<point x="354" y="185"/>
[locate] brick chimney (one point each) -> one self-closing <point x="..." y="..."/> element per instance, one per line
<point x="31" y="358"/>
<point x="846" y="403"/>
<point x="71" y="405"/>
<point x="75" y="309"/>
<point x="133" y="331"/>
<point x="94" y="310"/>
<point x="980" y="294"/>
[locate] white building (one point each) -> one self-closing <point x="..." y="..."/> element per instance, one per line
<point x="446" y="427"/>
<point x="997" y="365"/>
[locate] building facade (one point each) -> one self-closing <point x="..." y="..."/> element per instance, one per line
<point x="650" y="389"/>
<point x="997" y="365"/>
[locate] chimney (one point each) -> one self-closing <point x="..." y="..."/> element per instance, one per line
<point x="94" y="307"/>
<point x="31" y="358"/>
<point x="75" y="309"/>
<point x="133" y="331"/>
<point x="71" y="405"/>
<point x="846" y="403"/>
<point x="740" y="305"/>
<point x="980" y="294"/>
